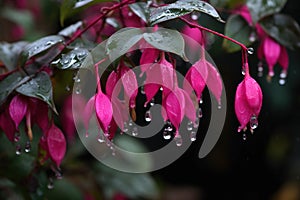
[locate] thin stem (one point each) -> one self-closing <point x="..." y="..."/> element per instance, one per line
<point x="97" y="74"/>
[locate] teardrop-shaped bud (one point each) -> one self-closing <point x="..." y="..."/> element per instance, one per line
<point x="214" y="81"/>
<point x="112" y="86"/>
<point x="195" y="34"/>
<point x="104" y="110"/>
<point x="271" y="53"/>
<point x="17" y="109"/>
<point x="56" y="143"/>
<point x="129" y="82"/>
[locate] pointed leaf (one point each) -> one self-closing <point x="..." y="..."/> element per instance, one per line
<point x="72" y="59"/>
<point x="39" y="87"/>
<point x="180" y="8"/>
<point x="104" y="110"/>
<point x="120" y="42"/>
<point x="8" y="84"/>
<point x="9" y="54"/>
<point x="166" y="40"/>
<point x="141" y="9"/>
<point x="56" y="144"/>
<point x="17" y="109"/>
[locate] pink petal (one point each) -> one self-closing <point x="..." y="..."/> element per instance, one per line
<point x="168" y="74"/>
<point x="214" y="82"/>
<point x="174" y="106"/>
<point x="149" y="56"/>
<point x="129" y="83"/>
<point x="283" y="58"/>
<point x="189" y="109"/>
<point x="7" y="125"/>
<point x="253" y="94"/>
<point x="104" y="110"/>
<point x="119" y="113"/>
<point x="37" y="107"/>
<point x="242" y="110"/>
<point x="153" y="82"/>
<point x="245" y="13"/>
<point x="271" y="51"/>
<point x="112" y="86"/>
<point x="195" y="34"/>
<point x="17" y="109"/>
<point x="56" y="144"/>
<point x="88" y="111"/>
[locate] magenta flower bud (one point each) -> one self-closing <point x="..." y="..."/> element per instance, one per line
<point x="17" y="109"/>
<point x="195" y="78"/>
<point x="248" y="102"/>
<point x="7" y="125"/>
<point x="195" y="34"/>
<point x="104" y="110"/>
<point x="56" y="143"/>
<point x="214" y="82"/>
<point x="271" y="50"/>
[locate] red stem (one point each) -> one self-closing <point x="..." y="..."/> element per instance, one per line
<point x="97" y="74"/>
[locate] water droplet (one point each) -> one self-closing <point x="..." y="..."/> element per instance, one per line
<point x="143" y="90"/>
<point x="252" y="37"/>
<point x="243" y="72"/>
<point x="283" y="74"/>
<point x="194" y="17"/>
<point x="193" y="136"/>
<point x="18" y="149"/>
<point x="167" y="134"/>
<point x="77" y="90"/>
<point x="201" y="101"/>
<point x="196" y="123"/>
<point x="50" y="42"/>
<point x="168" y="11"/>
<point x="130" y="14"/>
<point x="58" y="174"/>
<point x="161" y="89"/>
<point x="101" y="138"/>
<point x="68" y="88"/>
<point x="250" y="50"/>
<point x="125" y="127"/>
<point x="130" y="123"/>
<point x="17" y="137"/>
<point x="244" y="136"/>
<point x="50" y="185"/>
<point x="134" y="131"/>
<point x="253" y="122"/>
<point x="169" y="126"/>
<point x="189" y="126"/>
<point x="152" y="102"/>
<point x="27" y="148"/>
<point x="282" y="81"/>
<point x="199" y="113"/>
<point x="219" y="106"/>
<point x="178" y="140"/>
<point x="148" y="116"/>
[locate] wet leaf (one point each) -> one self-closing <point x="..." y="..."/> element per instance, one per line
<point x="180" y="8"/>
<point x="141" y="9"/>
<point x="167" y="40"/>
<point x="39" y="46"/>
<point x="121" y="42"/>
<point x="237" y="28"/>
<point x="284" y="29"/>
<point x="263" y="8"/>
<point x="39" y="87"/>
<point x="9" y="54"/>
<point x="70" y="30"/>
<point x="8" y="84"/>
<point x="71" y="60"/>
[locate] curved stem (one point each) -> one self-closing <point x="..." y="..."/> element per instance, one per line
<point x="97" y="74"/>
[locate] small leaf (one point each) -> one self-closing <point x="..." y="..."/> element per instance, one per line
<point x="180" y="8"/>
<point x="39" y="46"/>
<point x="56" y="144"/>
<point x="70" y="30"/>
<point x="238" y="29"/>
<point x="39" y="87"/>
<point x="8" y="84"/>
<point x="9" y="54"/>
<point x="283" y="28"/>
<point x="262" y="8"/>
<point x="120" y="42"/>
<point x="141" y="9"/>
<point x="166" y="40"/>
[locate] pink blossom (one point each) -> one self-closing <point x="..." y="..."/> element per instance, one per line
<point x="104" y="110"/>
<point x="248" y="102"/>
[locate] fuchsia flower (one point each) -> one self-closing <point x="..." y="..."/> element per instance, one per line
<point x="248" y="102"/>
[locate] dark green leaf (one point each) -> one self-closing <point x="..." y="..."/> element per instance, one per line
<point x="167" y="40"/>
<point x="238" y="29"/>
<point x="71" y="60"/>
<point x="141" y="9"/>
<point x="8" y="84"/>
<point x="180" y="8"/>
<point x="64" y="190"/>
<point x="226" y="3"/>
<point x="283" y="28"/>
<point x="262" y="8"/>
<point x="9" y="54"/>
<point x="39" y="87"/>
<point x="39" y="46"/>
<point x="70" y="30"/>
<point x="120" y="42"/>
